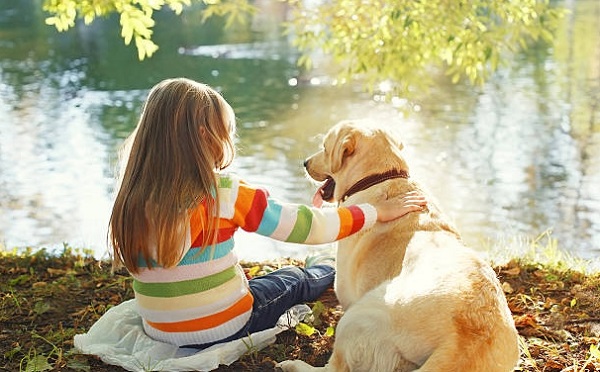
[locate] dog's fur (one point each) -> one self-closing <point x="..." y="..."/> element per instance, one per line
<point x="415" y="298"/>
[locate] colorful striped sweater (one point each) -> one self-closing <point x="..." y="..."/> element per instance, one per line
<point x="205" y="298"/>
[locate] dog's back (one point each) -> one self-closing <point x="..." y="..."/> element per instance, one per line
<point x="371" y="257"/>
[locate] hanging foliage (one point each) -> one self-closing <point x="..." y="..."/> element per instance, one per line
<point x="402" y="42"/>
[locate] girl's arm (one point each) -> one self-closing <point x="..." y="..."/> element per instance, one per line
<point x="255" y="211"/>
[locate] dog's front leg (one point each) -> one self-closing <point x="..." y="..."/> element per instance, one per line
<point x="297" y="366"/>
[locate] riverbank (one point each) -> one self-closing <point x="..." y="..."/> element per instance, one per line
<point x="47" y="299"/>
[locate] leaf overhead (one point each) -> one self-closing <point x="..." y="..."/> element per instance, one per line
<point x="404" y="42"/>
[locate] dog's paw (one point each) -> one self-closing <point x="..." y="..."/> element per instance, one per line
<point x="293" y="366"/>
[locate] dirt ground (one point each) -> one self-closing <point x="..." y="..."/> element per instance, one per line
<point x="45" y="300"/>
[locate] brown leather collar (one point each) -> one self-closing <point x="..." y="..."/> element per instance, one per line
<point x="373" y="180"/>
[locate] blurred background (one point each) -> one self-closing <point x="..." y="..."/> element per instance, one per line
<point x="515" y="158"/>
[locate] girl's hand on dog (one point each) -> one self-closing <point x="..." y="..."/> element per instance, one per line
<point x="391" y="209"/>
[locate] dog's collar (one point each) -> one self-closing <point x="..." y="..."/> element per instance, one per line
<point x="373" y="180"/>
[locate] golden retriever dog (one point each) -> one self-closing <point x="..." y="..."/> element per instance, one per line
<point x="415" y="298"/>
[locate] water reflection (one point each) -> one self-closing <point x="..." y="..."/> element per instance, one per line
<point x="516" y="157"/>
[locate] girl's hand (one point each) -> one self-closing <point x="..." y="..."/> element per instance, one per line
<point x="391" y="209"/>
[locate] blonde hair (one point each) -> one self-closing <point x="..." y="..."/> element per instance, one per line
<point x="184" y="136"/>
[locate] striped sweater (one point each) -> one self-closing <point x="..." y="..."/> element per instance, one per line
<point x="205" y="298"/>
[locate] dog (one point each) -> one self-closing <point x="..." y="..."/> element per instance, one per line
<point x="415" y="298"/>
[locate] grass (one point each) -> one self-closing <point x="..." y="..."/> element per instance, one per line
<point x="45" y="299"/>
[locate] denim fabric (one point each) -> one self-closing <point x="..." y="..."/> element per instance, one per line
<point x="278" y="291"/>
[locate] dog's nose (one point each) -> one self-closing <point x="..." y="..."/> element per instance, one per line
<point x="305" y="163"/>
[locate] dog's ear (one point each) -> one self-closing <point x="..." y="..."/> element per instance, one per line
<point x="395" y="140"/>
<point x="343" y="147"/>
<point x="392" y="136"/>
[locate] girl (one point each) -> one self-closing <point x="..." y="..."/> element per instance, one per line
<point x="175" y="215"/>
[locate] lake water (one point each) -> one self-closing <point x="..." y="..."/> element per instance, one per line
<point x="514" y="158"/>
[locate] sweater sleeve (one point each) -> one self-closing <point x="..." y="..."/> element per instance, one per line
<point x="256" y="211"/>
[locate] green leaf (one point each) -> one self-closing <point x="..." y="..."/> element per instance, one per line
<point x="330" y="331"/>
<point x="51" y="21"/>
<point x="253" y="271"/>
<point x="126" y="28"/>
<point x="177" y="6"/>
<point x="38" y="363"/>
<point x="79" y="364"/>
<point x="305" y="329"/>
<point x="88" y="19"/>
<point x="594" y="351"/>
<point x="11" y="353"/>
<point x="145" y="47"/>
<point x="318" y="308"/>
<point x="41" y="307"/>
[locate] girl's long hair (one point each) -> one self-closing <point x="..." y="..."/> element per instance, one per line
<point x="184" y="136"/>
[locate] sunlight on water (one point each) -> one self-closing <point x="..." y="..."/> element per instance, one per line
<point x="514" y="158"/>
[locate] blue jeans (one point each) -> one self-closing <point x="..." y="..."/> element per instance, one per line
<point x="278" y="291"/>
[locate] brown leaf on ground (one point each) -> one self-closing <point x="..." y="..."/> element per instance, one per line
<point x="45" y="301"/>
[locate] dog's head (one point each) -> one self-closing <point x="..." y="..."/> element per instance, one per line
<point x="351" y="151"/>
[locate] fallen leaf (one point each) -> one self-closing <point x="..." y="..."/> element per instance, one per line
<point x="526" y="320"/>
<point x="512" y="272"/>
<point x="38" y="284"/>
<point x="507" y="288"/>
<point x="52" y="271"/>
